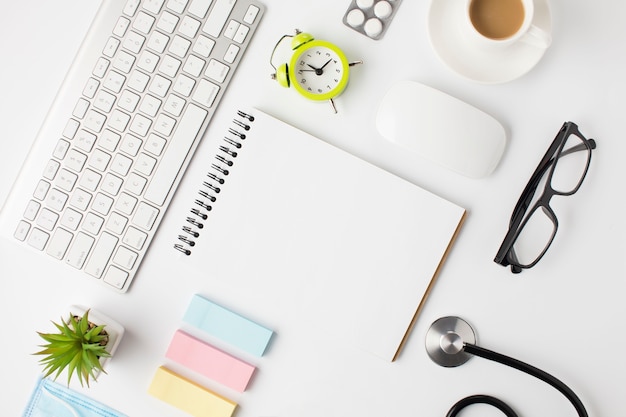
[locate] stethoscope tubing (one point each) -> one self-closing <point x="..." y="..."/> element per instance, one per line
<point x="521" y="366"/>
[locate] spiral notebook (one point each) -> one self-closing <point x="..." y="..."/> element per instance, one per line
<point x="330" y="241"/>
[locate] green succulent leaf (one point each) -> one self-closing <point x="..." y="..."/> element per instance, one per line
<point x="76" y="348"/>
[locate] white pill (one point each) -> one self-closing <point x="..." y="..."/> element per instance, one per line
<point x="365" y="4"/>
<point x="382" y="9"/>
<point x="355" y="18"/>
<point x="373" y="27"/>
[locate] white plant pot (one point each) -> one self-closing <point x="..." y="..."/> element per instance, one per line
<point x="114" y="330"/>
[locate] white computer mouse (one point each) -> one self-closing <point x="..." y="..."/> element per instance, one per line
<point x="441" y="128"/>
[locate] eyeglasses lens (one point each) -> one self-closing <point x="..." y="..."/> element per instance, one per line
<point x="570" y="166"/>
<point x="535" y="236"/>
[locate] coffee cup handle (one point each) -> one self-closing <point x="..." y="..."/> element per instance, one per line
<point x="537" y="37"/>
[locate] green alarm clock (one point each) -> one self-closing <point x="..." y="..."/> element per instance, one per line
<point x="318" y="70"/>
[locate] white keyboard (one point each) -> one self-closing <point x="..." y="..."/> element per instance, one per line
<point x="125" y="125"/>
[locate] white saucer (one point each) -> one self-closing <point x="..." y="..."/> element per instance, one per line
<point x="489" y="67"/>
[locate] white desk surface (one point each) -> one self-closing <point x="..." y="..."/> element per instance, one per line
<point x="566" y="315"/>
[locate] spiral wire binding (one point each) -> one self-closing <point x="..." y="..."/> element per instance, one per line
<point x="216" y="177"/>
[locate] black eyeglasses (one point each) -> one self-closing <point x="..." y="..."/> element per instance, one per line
<point x="563" y="169"/>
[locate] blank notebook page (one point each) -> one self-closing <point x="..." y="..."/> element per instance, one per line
<point x="345" y="247"/>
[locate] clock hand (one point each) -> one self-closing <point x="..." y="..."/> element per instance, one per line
<point x="318" y="71"/>
<point x="325" y="64"/>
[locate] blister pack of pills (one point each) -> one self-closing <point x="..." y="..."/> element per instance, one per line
<point x="371" y="17"/>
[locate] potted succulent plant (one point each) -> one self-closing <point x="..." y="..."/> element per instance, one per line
<point x="81" y="345"/>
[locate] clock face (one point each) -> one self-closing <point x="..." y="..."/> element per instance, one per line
<point x="319" y="70"/>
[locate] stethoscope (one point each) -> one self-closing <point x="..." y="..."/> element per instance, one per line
<point x="451" y="341"/>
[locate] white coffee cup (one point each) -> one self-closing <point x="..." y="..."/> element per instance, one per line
<point x="501" y="23"/>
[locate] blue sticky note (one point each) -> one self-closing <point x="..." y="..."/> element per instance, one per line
<point x="227" y="326"/>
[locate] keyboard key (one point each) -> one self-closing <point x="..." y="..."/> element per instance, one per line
<point x="114" y="81"/>
<point x="167" y="22"/>
<point x="124" y="61"/>
<point x="61" y="149"/>
<point x="150" y="106"/>
<point x="158" y="42"/>
<point x="111" y="184"/>
<point x="80" y="199"/>
<point x="135" y="184"/>
<point x="115" y="277"/>
<point x="85" y="140"/>
<point x="163" y="179"/>
<point x="131" y="7"/>
<point x="121" y="164"/>
<point x="148" y="61"/>
<point x="59" y="243"/>
<point x="66" y="180"/>
<point x="126" y="203"/>
<point x="75" y="160"/>
<point x="216" y="20"/>
<point x="125" y="257"/>
<point x="189" y="27"/>
<point x="169" y="66"/>
<point x="138" y="81"/>
<point x="121" y="26"/>
<point x="203" y="46"/>
<point x="183" y="85"/>
<point x="94" y="121"/>
<point x="145" y="164"/>
<point x="128" y="101"/>
<point x="164" y="125"/>
<point x="47" y="219"/>
<point x="205" y="93"/>
<point x="141" y="124"/>
<point x="135" y="238"/>
<point x="116" y="223"/>
<point x="251" y="14"/>
<point x="134" y="41"/>
<point x="153" y="6"/>
<point x="101" y="254"/>
<point x="22" y="231"/>
<point x="119" y="120"/>
<point x="41" y="190"/>
<point x="90" y="180"/>
<point x="179" y="46"/>
<point x="193" y="66"/>
<point x="102" y="204"/>
<point x="56" y="200"/>
<point x="38" y="239"/>
<point x="101" y="67"/>
<point x="199" y="8"/>
<point x="51" y="169"/>
<point x="231" y="53"/>
<point x="71" y="219"/>
<point x="92" y="223"/>
<point x="241" y="34"/>
<point x="130" y="145"/>
<point x="99" y="160"/>
<point x="143" y="23"/>
<point x="79" y="250"/>
<point x="216" y="71"/>
<point x="145" y="216"/>
<point x="176" y="5"/>
<point x="160" y="85"/>
<point x="111" y="47"/>
<point x="32" y="208"/>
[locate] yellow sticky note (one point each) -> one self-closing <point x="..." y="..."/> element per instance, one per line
<point x="189" y="396"/>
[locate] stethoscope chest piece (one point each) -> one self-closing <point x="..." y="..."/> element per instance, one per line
<point x="445" y="340"/>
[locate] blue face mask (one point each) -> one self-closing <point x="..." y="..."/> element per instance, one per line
<point x="55" y="400"/>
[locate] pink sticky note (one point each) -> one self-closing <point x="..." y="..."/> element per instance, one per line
<point x="209" y="361"/>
